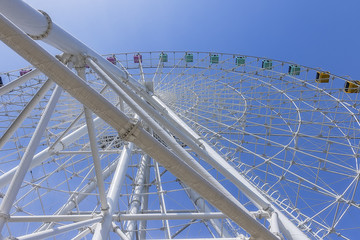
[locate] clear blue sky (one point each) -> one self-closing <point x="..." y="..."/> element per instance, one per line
<point x="314" y="33"/>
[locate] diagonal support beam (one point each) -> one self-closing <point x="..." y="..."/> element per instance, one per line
<point x="25" y="162"/>
<point x="25" y="112"/>
<point x="60" y="230"/>
<point x="17" y="82"/>
<point x="94" y="150"/>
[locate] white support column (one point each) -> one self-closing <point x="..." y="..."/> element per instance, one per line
<point x="103" y="228"/>
<point x="161" y="199"/>
<point x="96" y="159"/>
<point x="25" y="162"/>
<point x="136" y="195"/>
<point x="274" y="224"/>
<point x="94" y="150"/>
<point x="25" y="112"/>
<point x="144" y="203"/>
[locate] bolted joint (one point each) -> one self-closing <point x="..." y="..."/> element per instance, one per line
<point x="130" y="131"/>
<point x="4" y="216"/>
<point x="261" y="214"/>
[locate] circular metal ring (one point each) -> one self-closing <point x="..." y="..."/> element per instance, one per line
<point x="48" y="29"/>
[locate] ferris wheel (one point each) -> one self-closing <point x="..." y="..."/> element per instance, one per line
<point x="163" y="145"/>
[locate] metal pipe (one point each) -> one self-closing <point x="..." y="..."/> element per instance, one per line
<point x="51" y="218"/>
<point x="94" y="149"/>
<point x="169" y="216"/>
<point x="121" y="217"/>
<point x="17" y="82"/>
<point x="136" y="196"/>
<point x="161" y="199"/>
<point x="200" y="203"/>
<point x="274" y="225"/>
<point x="119" y="232"/>
<point x="103" y="228"/>
<point x="237" y="238"/>
<point x="85" y="232"/>
<point x="25" y="112"/>
<point x="144" y="203"/>
<point x="25" y="162"/>
<point x="59" y="230"/>
<point x="96" y="159"/>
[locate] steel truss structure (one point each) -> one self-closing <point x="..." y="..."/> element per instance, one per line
<point x="162" y="145"/>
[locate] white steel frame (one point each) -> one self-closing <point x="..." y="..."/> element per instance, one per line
<point x="150" y="115"/>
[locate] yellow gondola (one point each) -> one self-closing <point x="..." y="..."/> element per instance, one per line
<point x="351" y="86"/>
<point x="322" y="77"/>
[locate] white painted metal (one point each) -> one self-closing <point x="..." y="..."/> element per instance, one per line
<point x="159" y="130"/>
<point x="76" y="199"/>
<point x="35" y="24"/>
<point x="75" y="86"/>
<point x="12" y="85"/>
<point x="25" y="162"/>
<point x="274" y="224"/>
<point x="174" y="140"/>
<point x="46" y="153"/>
<point x="204" y="208"/>
<point x="169" y="216"/>
<point x="139" y="106"/>
<point x="135" y="203"/>
<point x="56" y="231"/>
<point x="29" y="107"/>
<point x="103" y="228"/>
<point x="94" y="149"/>
<point x="96" y="159"/>
<point x="161" y="199"/>
<point x="119" y="232"/>
<point x="213" y="158"/>
<point x="53" y="218"/>
<point x="85" y="232"/>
